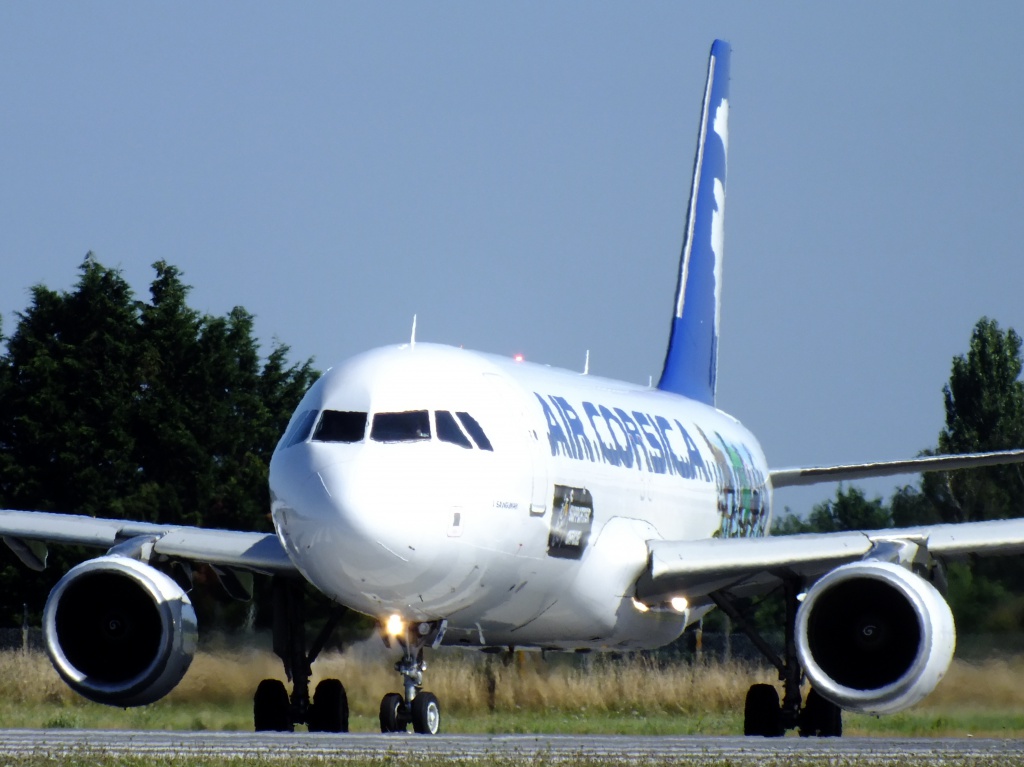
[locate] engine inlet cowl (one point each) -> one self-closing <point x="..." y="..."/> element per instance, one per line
<point x="874" y="637"/>
<point x="119" y="632"/>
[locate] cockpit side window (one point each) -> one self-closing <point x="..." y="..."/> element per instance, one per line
<point x="300" y="428"/>
<point x="340" y="426"/>
<point x="448" y="430"/>
<point x="410" y="426"/>
<point x="475" y="431"/>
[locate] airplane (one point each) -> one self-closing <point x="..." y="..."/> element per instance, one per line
<point x="470" y="500"/>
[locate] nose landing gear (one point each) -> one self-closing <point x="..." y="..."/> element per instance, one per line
<point x="419" y="708"/>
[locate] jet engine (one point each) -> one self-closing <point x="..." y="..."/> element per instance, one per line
<point x="119" y="631"/>
<point x="874" y="637"/>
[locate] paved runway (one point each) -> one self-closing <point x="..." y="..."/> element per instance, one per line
<point x="615" y="749"/>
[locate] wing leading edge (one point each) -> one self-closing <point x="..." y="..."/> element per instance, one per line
<point x="744" y="566"/>
<point x="27" y="532"/>
<point x="812" y="475"/>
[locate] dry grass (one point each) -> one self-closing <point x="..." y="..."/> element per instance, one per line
<point x="469" y="681"/>
<point x="996" y="683"/>
<point x="484" y="693"/>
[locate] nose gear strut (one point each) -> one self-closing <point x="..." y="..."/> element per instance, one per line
<point x="419" y="708"/>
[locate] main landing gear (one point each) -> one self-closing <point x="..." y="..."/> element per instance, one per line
<point x="763" y="713"/>
<point x="419" y="708"/>
<point x="272" y="707"/>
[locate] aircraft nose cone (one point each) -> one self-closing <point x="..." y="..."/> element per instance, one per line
<point x="341" y="529"/>
<point x="357" y="509"/>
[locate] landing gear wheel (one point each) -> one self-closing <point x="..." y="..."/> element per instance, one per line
<point x="329" y="712"/>
<point x="762" y="714"/>
<point x="821" y="718"/>
<point x="392" y="713"/>
<point x="271" y="709"/>
<point x="426" y="714"/>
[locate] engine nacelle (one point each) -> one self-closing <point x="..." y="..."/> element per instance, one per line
<point x="874" y="637"/>
<point x="119" y="632"/>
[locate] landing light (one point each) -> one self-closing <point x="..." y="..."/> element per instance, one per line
<point x="395" y="627"/>
<point x="518" y="358"/>
<point x="640" y="606"/>
<point x="679" y="604"/>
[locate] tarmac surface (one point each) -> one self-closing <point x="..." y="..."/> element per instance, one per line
<point x="549" y="749"/>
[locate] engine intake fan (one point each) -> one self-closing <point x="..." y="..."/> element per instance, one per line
<point x="119" y="632"/>
<point x="874" y="637"/>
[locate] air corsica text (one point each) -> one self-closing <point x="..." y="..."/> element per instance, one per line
<point x="613" y="436"/>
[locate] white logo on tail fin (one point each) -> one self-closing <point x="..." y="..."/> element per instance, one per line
<point x="720" y="126"/>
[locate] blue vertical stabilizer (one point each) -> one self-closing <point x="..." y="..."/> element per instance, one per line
<point x="691" y="363"/>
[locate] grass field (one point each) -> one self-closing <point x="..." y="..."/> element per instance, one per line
<point x="484" y="694"/>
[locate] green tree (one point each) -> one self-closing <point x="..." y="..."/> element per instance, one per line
<point x="169" y="446"/>
<point x="910" y="507"/>
<point x="849" y="510"/>
<point x="114" y="407"/>
<point x="984" y="402"/>
<point x="790" y="524"/>
<point x="64" y="431"/>
<point x="984" y="410"/>
<point x="70" y="363"/>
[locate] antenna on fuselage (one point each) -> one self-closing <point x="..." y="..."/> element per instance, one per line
<point x="586" y="364"/>
<point x="412" y="338"/>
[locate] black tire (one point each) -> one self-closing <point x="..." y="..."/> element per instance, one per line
<point x="820" y="718"/>
<point x="762" y="714"/>
<point x="329" y="712"/>
<point x="271" y="709"/>
<point x="392" y="713"/>
<point x="426" y="714"/>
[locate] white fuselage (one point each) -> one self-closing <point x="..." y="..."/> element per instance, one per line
<point x="388" y="499"/>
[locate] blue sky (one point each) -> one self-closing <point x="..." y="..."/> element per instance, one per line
<point x="516" y="175"/>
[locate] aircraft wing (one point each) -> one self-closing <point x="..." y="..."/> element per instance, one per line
<point x="744" y="566"/>
<point x="27" y="532"/>
<point x="811" y="475"/>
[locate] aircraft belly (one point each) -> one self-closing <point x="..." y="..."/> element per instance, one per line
<point x="574" y="603"/>
<point x="575" y="599"/>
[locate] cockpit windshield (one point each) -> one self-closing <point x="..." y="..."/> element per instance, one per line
<point x="340" y="426"/>
<point x="475" y="431"/>
<point x="410" y="426"/>
<point x="407" y="426"/>
<point x="303" y="422"/>
<point x="459" y="428"/>
<point x="448" y="430"/>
